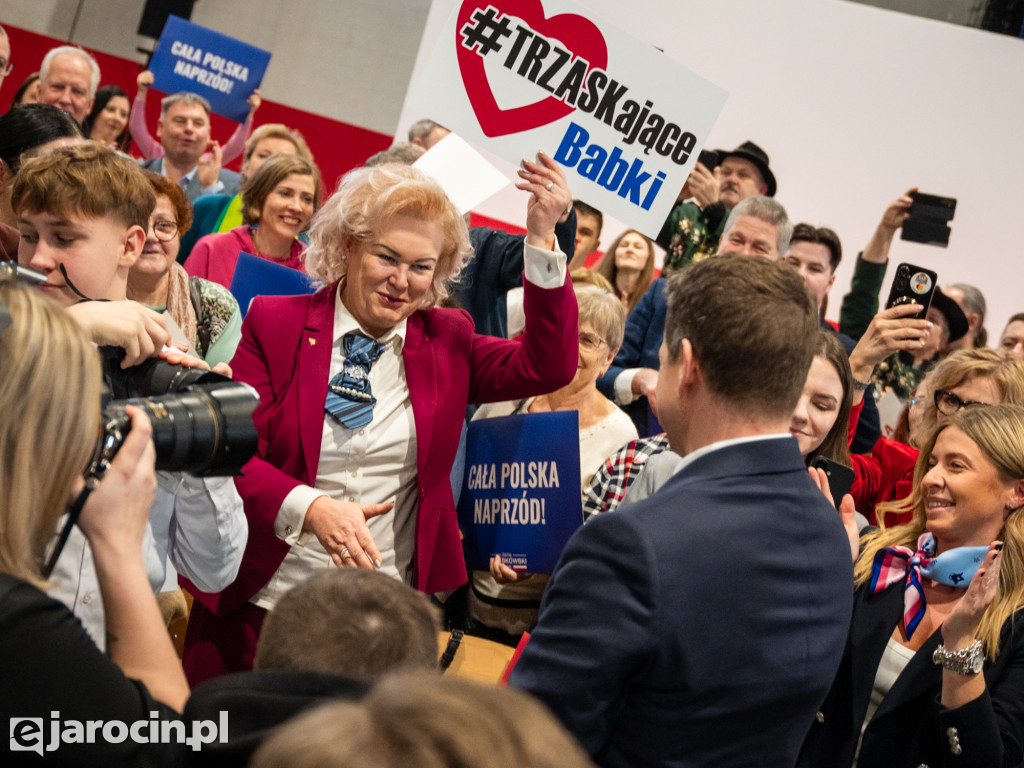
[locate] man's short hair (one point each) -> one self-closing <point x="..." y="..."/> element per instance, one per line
<point x="582" y="209"/>
<point x="86" y="180"/>
<point x="72" y="50"/>
<point x="350" y="622"/>
<point x="753" y="327"/>
<point x="183" y="97"/>
<point x="421" y="129"/>
<point x="768" y="210"/>
<point x="807" y="233"/>
<point x="403" y="152"/>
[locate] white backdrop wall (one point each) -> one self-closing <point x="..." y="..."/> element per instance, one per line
<point x="854" y="105"/>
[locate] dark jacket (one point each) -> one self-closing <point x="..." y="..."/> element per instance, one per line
<point x="911" y="728"/>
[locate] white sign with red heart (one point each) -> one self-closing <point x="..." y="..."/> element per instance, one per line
<point x="626" y="122"/>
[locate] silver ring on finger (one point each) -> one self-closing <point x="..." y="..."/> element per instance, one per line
<point x="344" y="553"/>
<point x="549" y="185"/>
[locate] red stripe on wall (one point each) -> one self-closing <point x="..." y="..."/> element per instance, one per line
<point x="337" y="146"/>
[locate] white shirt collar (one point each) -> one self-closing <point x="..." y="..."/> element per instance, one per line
<point x="710" y="448"/>
<point x="345" y="322"/>
<point x="186" y="178"/>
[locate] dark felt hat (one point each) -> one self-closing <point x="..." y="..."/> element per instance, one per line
<point x="748" y="150"/>
<point x="955" y="317"/>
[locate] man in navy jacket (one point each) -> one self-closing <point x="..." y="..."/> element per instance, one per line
<point x="704" y="625"/>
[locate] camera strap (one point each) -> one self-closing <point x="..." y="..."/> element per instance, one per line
<point x="73" y="513"/>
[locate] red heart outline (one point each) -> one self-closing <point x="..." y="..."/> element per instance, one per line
<point x="579" y="35"/>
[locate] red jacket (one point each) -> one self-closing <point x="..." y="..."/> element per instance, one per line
<point x="886" y="475"/>
<point x="285" y="354"/>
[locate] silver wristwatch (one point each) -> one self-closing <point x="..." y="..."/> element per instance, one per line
<point x="966" y="661"/>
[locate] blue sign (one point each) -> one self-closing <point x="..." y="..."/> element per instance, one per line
<point x="259" y="277"/>
<point x="521" y="495"/>
<point x="223" y="70"/>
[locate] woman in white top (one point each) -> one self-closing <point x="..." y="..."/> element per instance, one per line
<point x="507" y="601"/>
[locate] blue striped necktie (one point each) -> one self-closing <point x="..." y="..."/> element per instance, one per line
<point x="349" y="399"/>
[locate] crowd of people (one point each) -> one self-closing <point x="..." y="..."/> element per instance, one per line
<point x="726" y="599"/>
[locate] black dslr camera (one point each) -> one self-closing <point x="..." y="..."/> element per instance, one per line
<point x="202" y="421"/>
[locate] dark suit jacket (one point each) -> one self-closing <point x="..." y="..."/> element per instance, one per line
<point x="910" y="726"/>
<point x="285" y="354"/>
<point x="257" y="703"/>
<point x="703" y="625"/>
<point x="645" y="328"/>
<point x="232" y="181"/>
<point x="495" y="269"/>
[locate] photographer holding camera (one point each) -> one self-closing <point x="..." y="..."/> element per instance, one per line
<point x="83" y="213"/>
<point x="47" y="662"/>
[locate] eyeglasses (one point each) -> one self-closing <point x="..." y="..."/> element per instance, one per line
<point x="949" y="403"/>
<point x="5" y="67"/>
<point x="591" y="341"/>
<point x="164" y="230"/>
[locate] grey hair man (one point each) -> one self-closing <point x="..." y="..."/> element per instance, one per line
<point x="972" y="302"/>
<point x="426" y="133"/>
<point x="757" y="226"/>
<point x="68" y="78"/>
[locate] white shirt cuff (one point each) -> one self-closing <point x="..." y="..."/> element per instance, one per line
<point x="213" y="189"/>
<point x="291" y="516"/>
<point x="545" y="269"/>
<point x="624" y="386"/>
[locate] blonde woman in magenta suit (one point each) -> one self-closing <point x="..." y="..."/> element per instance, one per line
<point x="388" y="245"/>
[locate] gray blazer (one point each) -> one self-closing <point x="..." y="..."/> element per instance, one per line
<point x="232" y="181"/>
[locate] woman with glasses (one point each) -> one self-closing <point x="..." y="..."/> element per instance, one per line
<point x="965" y="379"/>
<point x="933" y="672"/>
<point x="206" y="313"/>
<point x="503" y="603"/>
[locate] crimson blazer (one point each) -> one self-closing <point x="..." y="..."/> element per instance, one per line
<point x="285" y="353"/>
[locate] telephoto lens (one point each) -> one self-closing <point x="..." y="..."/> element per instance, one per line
<point x="202" y="421"/>
<point x="206" y="430"/>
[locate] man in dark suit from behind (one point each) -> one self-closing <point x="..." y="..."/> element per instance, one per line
<point x="184" y="133"/>
<point x="330" y="637"/>
<point x="703" y="626"/>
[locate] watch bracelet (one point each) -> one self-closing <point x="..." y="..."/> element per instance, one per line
<point x="957" y="661"/>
